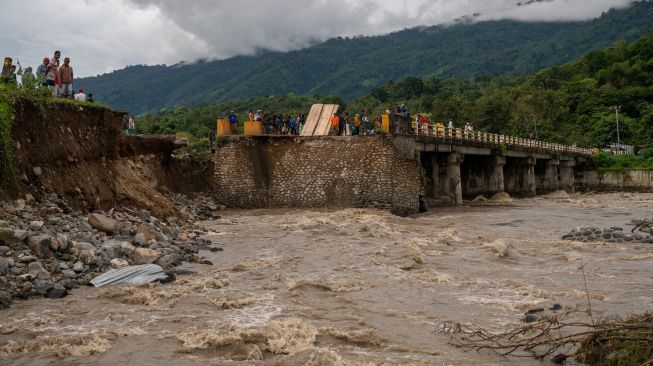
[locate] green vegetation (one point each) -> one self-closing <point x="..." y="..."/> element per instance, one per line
<point x="609" y="162"/>
<point x="353" y="67"/>
<point x="627" y="343"/>
<point x="568" y="104"/>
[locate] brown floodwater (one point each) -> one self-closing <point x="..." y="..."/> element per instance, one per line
<point x="351" y="286"/>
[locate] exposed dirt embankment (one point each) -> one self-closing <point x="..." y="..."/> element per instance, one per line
<point x="82" y="155"/>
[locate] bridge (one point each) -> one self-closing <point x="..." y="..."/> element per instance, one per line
<point x="389" y="170"/>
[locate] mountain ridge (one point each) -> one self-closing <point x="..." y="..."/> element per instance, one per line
<point x="351" y="67"/>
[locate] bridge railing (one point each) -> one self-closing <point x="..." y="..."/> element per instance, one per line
<point x="453" y="135"/>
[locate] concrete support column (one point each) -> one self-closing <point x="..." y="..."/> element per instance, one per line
<point x="528" y="178"/>
<point x="453" y="187"/>
<point x="567" y="175"/>
<point x="551" y="175"/>
<point x="435" y="176"/>
<point x="495" y="182"/>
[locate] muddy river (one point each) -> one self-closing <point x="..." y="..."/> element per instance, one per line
<point x="349" y="287"/>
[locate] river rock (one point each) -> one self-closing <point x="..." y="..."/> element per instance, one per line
<point x="139" y="239"/>
<point x="5" y="300"/>
<point x="6" y="235"/>
<point x="36" y="269"/>
<point x="148" y="232"/>
<point x="103" y="223"/>
<point x="20" y="235"/>
<point x="78" y="266"/>
<point x="69" y="274"/>
<point x="170" y="260"/>
<point x="35" y="225"/>
<point x="40" y="244"/>
<point x="145" y="256"/>
<point x="119" y="263"/>
<point x="112" y="249"/>
<point x="57" y="291"/>
<point x="4" y="266"/>
<point x="42" y="287"/>
<point x="127" y="249"/>
<point x="4" y="249"/>
<point x="144" y="215"/>
<point x="85" y="226"/>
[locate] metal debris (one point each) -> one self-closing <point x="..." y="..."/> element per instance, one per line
<point x="133" y="275"/>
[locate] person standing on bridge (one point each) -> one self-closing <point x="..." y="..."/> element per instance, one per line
<point x="335" y="121"/>
<point x="293" y="126"/>
<point x="341" y="125"/>
<point x="357" y="125"/>
<point x="439" y="127"/>
<point x="233" y="122"/>
<point x="365" y="123"/>
<point x="251" y="116"/>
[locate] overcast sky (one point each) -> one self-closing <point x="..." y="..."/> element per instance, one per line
<point x="103" y="35"/>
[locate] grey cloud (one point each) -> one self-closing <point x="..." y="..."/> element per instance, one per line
<point x="103" y="35"/>
<point x="231" y="27"/>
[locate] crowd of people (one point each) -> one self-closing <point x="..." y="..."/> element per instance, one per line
<point x="52" y="73"/>
<point x="344" y="124"/>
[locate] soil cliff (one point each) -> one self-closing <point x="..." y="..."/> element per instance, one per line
<point x="81" y="154"/>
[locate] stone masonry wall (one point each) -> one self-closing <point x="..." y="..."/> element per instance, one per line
<point x="361" y="171"/>
<point x="630" y="180"/>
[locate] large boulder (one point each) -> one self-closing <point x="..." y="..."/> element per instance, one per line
<point x="145" y="256"/>
<point x="40" y="244"/>
<point x="103" y="223"/>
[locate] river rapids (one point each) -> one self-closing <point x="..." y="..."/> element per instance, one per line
<point x="350" y="287"/>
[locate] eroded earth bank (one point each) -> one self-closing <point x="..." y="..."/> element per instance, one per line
<point x="352" y="286"/>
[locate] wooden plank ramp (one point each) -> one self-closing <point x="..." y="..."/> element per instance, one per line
<point x="312" y="119"/>
<point x="324" y="124"/>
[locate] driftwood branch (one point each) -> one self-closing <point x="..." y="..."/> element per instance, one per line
<point x="558" y="340"/>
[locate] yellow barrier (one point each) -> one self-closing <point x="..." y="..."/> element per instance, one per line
<point x="253" y="128"/>
<point x="222" y="128"/>
<point x="385" y="123"/>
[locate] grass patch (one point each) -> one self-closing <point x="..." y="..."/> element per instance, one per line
<point x="609" y="162"/>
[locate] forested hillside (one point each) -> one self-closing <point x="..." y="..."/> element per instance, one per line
<point x="572" y="103"/>
<point x="351" y="67"/>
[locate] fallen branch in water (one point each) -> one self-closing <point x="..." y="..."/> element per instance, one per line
<point x="627" y="342"/>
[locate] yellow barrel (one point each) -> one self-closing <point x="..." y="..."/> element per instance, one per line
<point x="222" y="128"/>
<point x="253" y="128"/>
<point x="385" y="123"/>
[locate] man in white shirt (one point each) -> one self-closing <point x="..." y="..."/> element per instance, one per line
<point x="80" y="96"/>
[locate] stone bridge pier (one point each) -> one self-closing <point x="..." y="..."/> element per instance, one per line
<point x="450" y="177"/>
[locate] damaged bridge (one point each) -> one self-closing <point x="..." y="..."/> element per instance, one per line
<point x="387" y="171"/>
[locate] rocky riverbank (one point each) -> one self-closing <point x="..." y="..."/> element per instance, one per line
<point x="47" y="248"/>
<point x="641" y="233"/>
